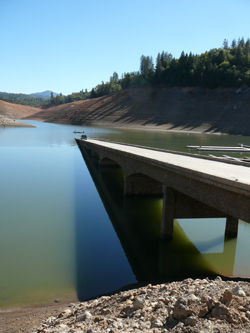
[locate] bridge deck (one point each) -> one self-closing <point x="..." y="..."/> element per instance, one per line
<point x="237" y="176"/>
<point x="191" y="184"/>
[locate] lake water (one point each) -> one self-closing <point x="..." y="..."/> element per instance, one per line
<point x="67" y="232"/>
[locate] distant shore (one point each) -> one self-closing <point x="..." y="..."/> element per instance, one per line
<point x="7" y="122"/>
<point x="194" y="110"/>
<point x="202" y="129"/>
<point x="137" y="125"/>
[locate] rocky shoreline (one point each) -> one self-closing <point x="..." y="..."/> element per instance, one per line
<point x="200" y="305"/>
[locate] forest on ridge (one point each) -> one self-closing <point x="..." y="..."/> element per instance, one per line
<point x="228" y="66"/>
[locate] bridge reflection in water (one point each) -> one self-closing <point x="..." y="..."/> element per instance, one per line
<point x="137" y="223"/>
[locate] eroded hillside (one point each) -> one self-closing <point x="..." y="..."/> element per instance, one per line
<point x="225" y="110"/>
<point x="15" y="111"/>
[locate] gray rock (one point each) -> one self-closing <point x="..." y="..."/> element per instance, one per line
<point x="181" y="310"/>
<point x="226" y="297"/>
<point x="193" y="299"/>
<point x="66" y="313"/>
<point x="138" y="303"/>
<point x="58" y="300"/>
<point x="238" y="291"/>
<point x="210" y="303"/>
<point x="191" y="321"/>
<point x="50" y="320"/>
<point x="86" y="315"/>
<point x="220" y="311"/>
<point x="156" y="323"/>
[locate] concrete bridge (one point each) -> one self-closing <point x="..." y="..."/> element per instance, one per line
<point x="192" y="186"/>
<point x="161" y="260"/>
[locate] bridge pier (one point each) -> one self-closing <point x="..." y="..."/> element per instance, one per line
<point x="177" y="205"/>
<point x="167" y="219"/>
<point x="231" y="227"/>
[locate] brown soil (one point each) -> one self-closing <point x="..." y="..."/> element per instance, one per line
<point x="16" y="111"/>
<point x="25" y="318"/>
<point x="9" y="112"/>
<point x="224" y="110"/>
<point x="7" y="122"/>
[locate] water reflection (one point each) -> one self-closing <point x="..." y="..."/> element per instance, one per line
<point x="46" y="191"/>
<point x="136" y="221"/>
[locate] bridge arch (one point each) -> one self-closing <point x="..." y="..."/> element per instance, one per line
<point x="184" y="186"/>
<point x="140" y="184"/>
<point x="107" y="162"/>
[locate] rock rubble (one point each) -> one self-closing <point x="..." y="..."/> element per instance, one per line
<point x="189" y="306"/>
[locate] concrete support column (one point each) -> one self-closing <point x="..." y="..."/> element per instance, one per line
<point x="167" y="219"/>
<point x="128" y="186"/>
<point x="231" y="227"/>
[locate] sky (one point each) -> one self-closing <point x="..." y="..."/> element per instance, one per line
<point x="69" y="45"/>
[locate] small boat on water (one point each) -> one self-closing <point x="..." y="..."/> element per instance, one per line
<point x="75" y="131"/>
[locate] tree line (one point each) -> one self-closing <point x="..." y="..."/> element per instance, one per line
<point x="223" y="67"/>
<point x="23" y="99"/>
<point x="77" y="96"/>
<point x="227" y="66"/>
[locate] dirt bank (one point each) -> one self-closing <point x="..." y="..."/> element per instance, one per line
<point x="189" y="306"/>
<point x="18" y="319"/>
<point x="16" y="111"/>
<point x="9" y="112"/>
<point x="224" y="110"/>
<point x="7" y="122"/>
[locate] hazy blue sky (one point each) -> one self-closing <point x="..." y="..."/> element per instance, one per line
<point x="69" y="45"/>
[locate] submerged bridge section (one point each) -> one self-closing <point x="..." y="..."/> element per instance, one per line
<point x="192" y="186"/>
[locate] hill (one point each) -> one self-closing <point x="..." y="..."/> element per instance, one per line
<point x="16" y="111"/>
<point x="44" y="95"/>
<point x="9" y="112"/>
<point x="224" y="110"/>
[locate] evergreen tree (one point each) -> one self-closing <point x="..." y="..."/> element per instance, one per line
<point x="233" y="44"/>
<point x="225" y="44"/>
<point x="146" y="66"/>
<point x="115" y="77"/>
<point x="159" y="69"/>
<point x="166" y="59"/>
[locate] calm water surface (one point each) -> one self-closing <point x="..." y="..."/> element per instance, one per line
<point x="66" y="230"/>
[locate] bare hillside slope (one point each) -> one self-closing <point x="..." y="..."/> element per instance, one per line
<point x="15" y="111"/>
<point x="225" y="110"/>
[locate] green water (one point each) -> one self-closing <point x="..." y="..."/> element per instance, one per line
<point x="178" y="140"/>
<point x="66" y="230"/>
